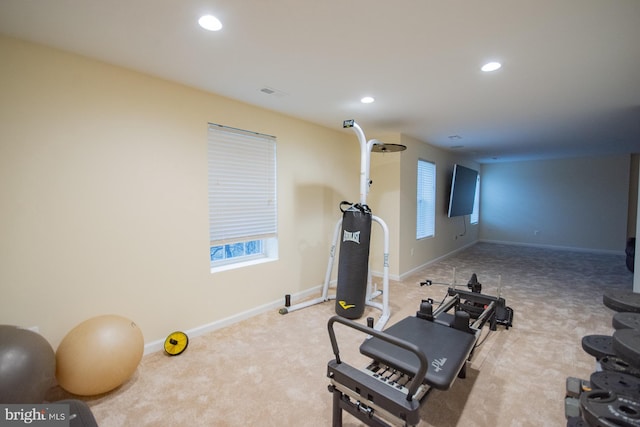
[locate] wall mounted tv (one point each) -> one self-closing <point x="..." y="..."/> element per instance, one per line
<point x="463" y="191"/>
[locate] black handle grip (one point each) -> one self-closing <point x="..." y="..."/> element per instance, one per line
<point x="416" y="381"/>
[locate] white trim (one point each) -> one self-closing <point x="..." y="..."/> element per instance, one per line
<point x="426" y="216"/>
<point x="381" y="275"/>
<point x="428" y="263"/>
<point x="561" y="248"/>
<point x="240" y="264"/>
<point x="158" y="345"/>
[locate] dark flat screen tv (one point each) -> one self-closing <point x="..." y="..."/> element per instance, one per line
<point x="463" y="191"/>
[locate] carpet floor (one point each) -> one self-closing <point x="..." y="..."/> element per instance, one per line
<point x="270" y="370"/>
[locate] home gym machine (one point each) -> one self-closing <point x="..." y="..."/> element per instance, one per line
<point x="354" y="287"/>
<point x="475" y="302"/>
<point x="421" y="352"/>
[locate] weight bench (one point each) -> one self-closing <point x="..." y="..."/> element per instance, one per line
<point x="409" y="358"/>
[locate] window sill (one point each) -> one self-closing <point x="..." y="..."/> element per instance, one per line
<point x="235" y="265"/>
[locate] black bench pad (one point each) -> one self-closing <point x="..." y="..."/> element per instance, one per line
<point x="447" y="350"/>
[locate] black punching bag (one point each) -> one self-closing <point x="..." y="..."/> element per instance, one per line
<point x="353" y="265"/>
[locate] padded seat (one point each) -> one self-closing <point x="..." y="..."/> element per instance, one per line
<point x="447" y="350"/>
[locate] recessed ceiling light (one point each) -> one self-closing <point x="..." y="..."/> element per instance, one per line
<point x="491" y="66"/>
<point x="367" y="100"/>
<point x="210" y="22"/>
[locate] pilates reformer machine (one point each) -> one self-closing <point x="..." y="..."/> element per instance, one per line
<point x="419" y="353"/>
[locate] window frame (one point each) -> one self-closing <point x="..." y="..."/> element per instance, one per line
<point x="242" y="195"/>
<point x="425" y="208"/>
<point x="474" y="218"/>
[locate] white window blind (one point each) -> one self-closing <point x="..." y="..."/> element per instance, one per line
<point x="426" y="200"/>
<point x="242" y="185"/>
<point x="475" y="216"/>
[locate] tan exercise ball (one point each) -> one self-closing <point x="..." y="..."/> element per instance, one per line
<point x="99" y="355"/>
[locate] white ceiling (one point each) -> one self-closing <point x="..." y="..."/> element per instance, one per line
<point x="569" y="85"/>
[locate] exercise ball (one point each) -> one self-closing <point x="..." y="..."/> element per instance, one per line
<point x="99" y="355"/>
<point x="27" y="366"/>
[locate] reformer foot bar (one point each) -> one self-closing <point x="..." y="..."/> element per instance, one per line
<point x="410" y="358"/>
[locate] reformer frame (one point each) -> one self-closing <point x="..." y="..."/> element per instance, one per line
<point x="405" y="365"/>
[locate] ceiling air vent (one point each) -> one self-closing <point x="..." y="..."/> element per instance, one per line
<point x="271" y="91"/>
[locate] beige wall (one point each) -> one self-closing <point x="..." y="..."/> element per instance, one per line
<point x="103" y="194"/>
<point x="448" y="237"/>
<point x="393" y="198"/>
<point x="384" y="199"/>
<point x="580" y="203"/>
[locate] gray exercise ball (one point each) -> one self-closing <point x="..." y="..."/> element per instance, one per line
<point x="27" y="365"/>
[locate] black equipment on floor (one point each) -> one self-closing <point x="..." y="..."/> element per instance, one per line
<point x="475" y="302"/>
<point x="80" y="414"/>
<point x="623" y="320"/>
<point x="611" y="397"/>
<point x="630" y="251"/>
<point x="622" y="300"/>
<point x="428" y="350"/>
<point x="353" y="263"/>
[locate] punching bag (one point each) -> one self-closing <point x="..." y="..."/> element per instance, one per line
<point x="353" y="263"/>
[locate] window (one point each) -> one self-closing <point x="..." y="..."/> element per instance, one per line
<point x="242" y="197"/>
<point x="474" y="218"/>
<point x="426" y="200"/>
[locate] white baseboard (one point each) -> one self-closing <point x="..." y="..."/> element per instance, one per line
<point x="560" y="248"/>
<point x="380" y="275"/>
<point x="433" y="261"/>
<point x="158" y="345"/>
